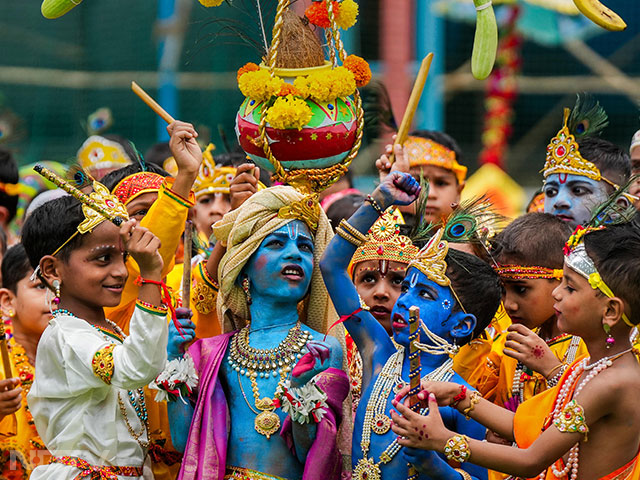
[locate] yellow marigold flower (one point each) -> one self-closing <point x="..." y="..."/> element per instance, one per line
<point x="327" y="86"/>
<point x="247" y="67"/>
<point x="211" y="3"/>
<point x="302" y="86"/>
<point x="258" y="85"/>
<point x="360" y="69"/>
<point x="288" y="89"/>
<point x="348" y="14"/>
<point x="289" y="112"/>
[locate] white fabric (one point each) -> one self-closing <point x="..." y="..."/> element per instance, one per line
<point x="75" y="412"/>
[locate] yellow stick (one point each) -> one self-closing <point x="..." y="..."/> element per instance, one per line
<point x="414" y="100"/>
<point x="4" y="350"/>
<point x="186" y="273"/>
<point x="146" y="98"/>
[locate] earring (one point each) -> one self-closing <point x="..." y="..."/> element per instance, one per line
<point x="610" y="341"/>
<point x="56" y="286"/>
<point x="11" y="313"/>
<point x="245" y="287"/>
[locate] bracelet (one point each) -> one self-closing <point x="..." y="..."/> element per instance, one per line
<point x="560" y="365"/>
<point x="474" y="399"/>
<point x="553" y="381"/>
<point x="376" y="206"/>
<point x="465" y="475"/>
<point x="459" y="397"/>
<point x="349" y="238"/>
<point x="457" y="449"/>
<point x="306" y="404"/>
<point x="353" y="231"/>
<point x="151" y="308"/>
<point x="165" y="295"/>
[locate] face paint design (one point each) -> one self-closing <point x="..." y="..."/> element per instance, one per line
<point x="573" y="197"/>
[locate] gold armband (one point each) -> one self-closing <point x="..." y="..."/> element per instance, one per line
<point x="457" y="449"/>
<point x="102" y="363"/>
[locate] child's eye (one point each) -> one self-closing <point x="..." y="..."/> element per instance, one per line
<point x="442" y="183"/>
<point x="579" y="191"/>
<point x="104" y="258"/>
<point x="274" y="243"/>
<point x="305" y="247"/>
<point x="520" y="290"/>
<point x="569" y="288"/>
<point x="369" y="278"/>
<point x="396" y="281"/>
<point x="404" y="288"/>
<point x="140" y="213"/>
<point x="40" y="286"/>
<point x="550" y="192"/>
<point x="426" y="294"/>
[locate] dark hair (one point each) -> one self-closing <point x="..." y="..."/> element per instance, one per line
<point x="442" y="138"/>
<point x="49" y="226"/>
<point x="157" y="153"/>
<point x="614" y="251"/>
<point x="613" y="162"/>
<point x="15" y="267"/>
<point x="534" y="239"/>
<point x="3" y="241"/>
<point x="477" y="286"/>
<point x="8" y="174"/>
<point x="110" y="180"/>
<point x="343" y="208"/>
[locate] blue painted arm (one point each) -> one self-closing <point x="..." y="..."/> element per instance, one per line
<point x="180" y="416"/>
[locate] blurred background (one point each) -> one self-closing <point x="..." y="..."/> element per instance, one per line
<point x="55" y="73"/>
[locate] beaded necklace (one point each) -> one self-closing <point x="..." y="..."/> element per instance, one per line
<point x="136" y="397"/>
<point x="566" y="393"/>
<point x="375" y="420"/>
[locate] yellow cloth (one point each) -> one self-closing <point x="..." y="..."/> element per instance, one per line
<point x="470" y="360"/>
<point x="18" y="435"/>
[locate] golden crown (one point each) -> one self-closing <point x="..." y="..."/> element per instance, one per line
<point x="98" y="153"/>
<point x="212" y="179"/>
<point x="563" y="155"/>
<point x="430" y="260"/>
<point x="105" y="201"/>
<point x="385" y="242"/>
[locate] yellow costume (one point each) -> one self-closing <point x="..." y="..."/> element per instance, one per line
<point x="21" y="449"/>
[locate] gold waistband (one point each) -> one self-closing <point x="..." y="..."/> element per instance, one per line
<point x="238" y="473"/>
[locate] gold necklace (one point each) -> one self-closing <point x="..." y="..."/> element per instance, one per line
<point x="267" y="422"/>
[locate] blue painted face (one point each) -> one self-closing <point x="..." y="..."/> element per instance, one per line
<point x="573" y="197"/>
<point x="436" y="306"/>
<point x="281" y="267"/>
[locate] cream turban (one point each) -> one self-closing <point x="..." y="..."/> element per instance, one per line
<point x="243" y="230"/>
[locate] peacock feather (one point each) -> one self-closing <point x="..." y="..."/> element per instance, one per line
<point x="78" y="177"/>
<point x="617" y="209"/>
<point x="471" y="222"/>
<point x="422" y="230"/>
<point x="587" y="118"/>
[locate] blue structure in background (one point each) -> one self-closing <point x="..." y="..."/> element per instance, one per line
<point x="430" y="38"/>
<point x="168" y="48"/>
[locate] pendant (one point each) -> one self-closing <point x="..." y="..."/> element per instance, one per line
<point x="267" y="423"/>
<point x="399" y="387"/>
<point x="381" y="424"/>
<point x="366" y="469"/>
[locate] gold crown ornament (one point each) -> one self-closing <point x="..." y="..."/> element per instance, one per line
<point x="430" y="260"/>
<point x="98" y="154"/>
<point x="212" y="179"/>
<point x="385" y="243"/>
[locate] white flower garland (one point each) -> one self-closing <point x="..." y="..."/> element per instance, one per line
<point x="304" y="404"/>
<point x="178" y="380"/>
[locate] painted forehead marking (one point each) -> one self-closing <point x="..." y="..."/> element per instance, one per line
<point x="413" y="281"/>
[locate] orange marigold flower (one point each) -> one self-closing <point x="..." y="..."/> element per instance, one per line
<point x="247" y="67"/>
<point x="288" y="89"/>
<point x="318" y="15"/>
<point x="360" y="69"/>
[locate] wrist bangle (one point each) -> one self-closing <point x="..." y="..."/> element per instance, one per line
<point x="457" y="449"/>
<point x="348" y="237"/>
<point x="550" y="375"/>
<point x="465" y="475"/>
<point x="460" y="396"/>
<point x="376" y="206"/>
<point x="474" y="399"/>
<point x="353" y="231"/>
<point x="553" y="381"/>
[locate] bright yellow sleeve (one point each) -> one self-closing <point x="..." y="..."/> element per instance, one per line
<point x="165" y="219"/>
<point x="204" y="293"/>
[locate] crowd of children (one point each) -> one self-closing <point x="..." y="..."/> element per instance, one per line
<point x="280" y="343"/>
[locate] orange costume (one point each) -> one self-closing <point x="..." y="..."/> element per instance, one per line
<point x="21" y="449"/>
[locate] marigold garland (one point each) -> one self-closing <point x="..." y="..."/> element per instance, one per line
<point x="327" y="86"/>
<point x="211" y="3"/>
<point x="247" y="67"/>
<point x="289" y="112"/>
<point x="288" y="89"/>
<point x="259" y="85"/>
<point x="360" y="69"/>
<point x="348" y="14"/>
<point x="318" y="15"/>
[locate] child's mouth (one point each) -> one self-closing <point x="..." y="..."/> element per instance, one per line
<point x="114" y="288"/>
<point x="399" y="322"/>
<point x="380" y="312"/>
<point x="293" y="273"/>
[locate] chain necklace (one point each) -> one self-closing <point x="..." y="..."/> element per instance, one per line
<point x="378" y="422"/>
<point x="256" y="362"/>
<point x="136" y="398"/>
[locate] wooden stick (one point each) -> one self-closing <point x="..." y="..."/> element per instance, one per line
<point x="146" y="98"/>
<point x="414" y="100"/>
<point x="186" y="273"/>
<point x="414" y="369"/>
<point x="4" y="350"/>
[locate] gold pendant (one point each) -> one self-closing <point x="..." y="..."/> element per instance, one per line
<point x="381" y="424"/>
<point x="267" y="423"/>
<point x="366" y="469"/>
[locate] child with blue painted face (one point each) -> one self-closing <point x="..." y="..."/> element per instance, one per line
<point x="582" y="170"/>
<point x="457" y="294"/>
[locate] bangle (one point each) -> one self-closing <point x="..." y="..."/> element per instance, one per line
<point x="474" y="399"/>
<point x="465" y="475"/>
<point x="553" y="381"/>
<point x="348" y="237"/>
<point x="376" y="206"/>
<point x="457" y="449"/>
<point x="560" y="365"/>
<point x="353" y="231"/>
<point x="459" y="397"/>
<point x="165" y="296"/>
<point x="151" y="308"/>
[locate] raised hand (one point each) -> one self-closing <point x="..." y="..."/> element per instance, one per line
<point x="185" y="149"/>
<point x="418" y="431"/>
<point x="401" y="163"/>
<point x="396" y="189"/>
<point x="529" y="349"/>
<point x="316" y="360"/>
<point x="244" y="184"/>
<point x="445" y="392"/>
<point x="143" y="247"/>
<point x="10" y="396"/>
<point x="179" y="339"/>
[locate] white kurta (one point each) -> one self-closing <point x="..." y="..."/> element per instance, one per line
<point x="75" y="412"/>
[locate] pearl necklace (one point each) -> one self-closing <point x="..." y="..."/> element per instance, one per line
<point x="593" y="369"/>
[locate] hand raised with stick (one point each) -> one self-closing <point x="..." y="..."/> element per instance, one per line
<point x="420" y="431"/>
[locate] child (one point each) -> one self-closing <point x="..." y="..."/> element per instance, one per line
<point x="22" y="301"/>
<point x="87" y="400"/>
<point x="523" y="363"/>
<point x="582" y="170"/>
<point x="597" y="396"/>
<point x="457" y="294"/>
<point x="435" y="156"/>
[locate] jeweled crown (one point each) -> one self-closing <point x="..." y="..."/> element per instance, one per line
<point x="105" y="199"/>
<point x="212" y="179"/>
<point x="430" y="260"/>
